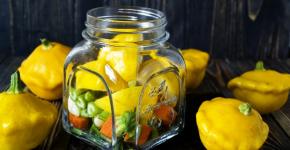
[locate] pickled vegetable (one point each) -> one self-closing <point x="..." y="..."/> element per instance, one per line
<point x="144" y="89"/>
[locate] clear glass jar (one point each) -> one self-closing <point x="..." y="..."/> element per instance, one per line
<point x="124" y="83"/>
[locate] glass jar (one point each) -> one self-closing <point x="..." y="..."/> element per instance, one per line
<point x="124" y="84"/>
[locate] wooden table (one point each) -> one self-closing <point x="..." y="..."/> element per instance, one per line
<point x="218" y="74"/>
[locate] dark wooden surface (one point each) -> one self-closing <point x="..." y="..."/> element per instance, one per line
<point x="221" y="27"/>
<point x="218" y="74"/>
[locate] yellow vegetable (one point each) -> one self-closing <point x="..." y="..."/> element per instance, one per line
<point x="265" y="90"/>
<point x="229" y="124"/>
<point x="126" y="100"/>
<point x="86" y="80"/>
<point x="122" y="57"/>
<point x="165" y="86"/>
<point x="127" y="38"/>
<point x="42" y="71"/>
<point x="25" y="120"/>
<point x="196" y="63"/>
<point x="121" y="54"/>
<point x="153" y="66"/>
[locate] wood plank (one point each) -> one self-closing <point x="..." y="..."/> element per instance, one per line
<point x="277" y="138"/>
<point x="8" y="66"/>
<point x="80" y="9"/>
<point x="227" y="31"/>
<point x="175" y="13"/>
<point x="56" y="132"/>
<point x="283" y="115"/>
<point x="31" y="22"/>
<point x="207" y="86"/>
<point x="262" y="40"/>
<point x="283" y="118"/>
<point x="4" y="27"/>
<point x="221" y="27"/>
<point x="2" y="58"/>
<point x="198" y="23"/>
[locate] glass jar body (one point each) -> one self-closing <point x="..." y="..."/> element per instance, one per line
<point x="123" y="91"/>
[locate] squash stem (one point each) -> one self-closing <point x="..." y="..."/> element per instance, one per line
<point x="46" y="43"/>
<point x="260" y="66"/>
<point x="15" y="87"/>
<point x="245" y="108"/>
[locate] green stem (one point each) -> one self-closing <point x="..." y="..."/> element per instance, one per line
<point x="15" y="87"/>
<point x="46" y="43"/>
<point x="260" y="66"/>
<point x="245" y="108"/>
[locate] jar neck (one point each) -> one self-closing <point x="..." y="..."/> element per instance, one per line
<point x="129" y="24"/>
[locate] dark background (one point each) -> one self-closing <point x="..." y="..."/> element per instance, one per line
<point x="221" y="27"/>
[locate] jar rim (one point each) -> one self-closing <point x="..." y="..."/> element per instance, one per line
<point x="125" y="19"/>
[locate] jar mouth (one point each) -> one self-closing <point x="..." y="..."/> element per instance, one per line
<point x="125" y="19"/>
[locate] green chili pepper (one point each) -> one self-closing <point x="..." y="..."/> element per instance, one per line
<point x="94" y="129"/>
<point x="81" y="102"/>
<point x="89" y="96"/>
<point x="84" y="113"/>
<point x="73" y="94"/>
<point x="92" y="109"/>
<point x="103" y="115"/>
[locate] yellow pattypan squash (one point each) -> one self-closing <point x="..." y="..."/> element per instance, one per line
<point x="121" y="53"/>
<point x="25" y="120"/>
<point x="123" y="58"/>
<point x="229" y="124"/>
<point x="42" y="71"/>
<point x="196" y="63"/>
<point x="265" y="90"/>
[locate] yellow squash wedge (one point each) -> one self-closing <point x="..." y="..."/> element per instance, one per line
<point x="86" y="80"/>
<point x="126" y="100"/>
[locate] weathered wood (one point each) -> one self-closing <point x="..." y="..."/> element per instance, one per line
<point x="33" y="20"/>
<point x="220" y="27"/>
<point x="8" y="65"/>
<point x="198" y="24"/>
<point x="175" y="13"/>
<point x="4" y="27"/>
<point x="80" y="9"/>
